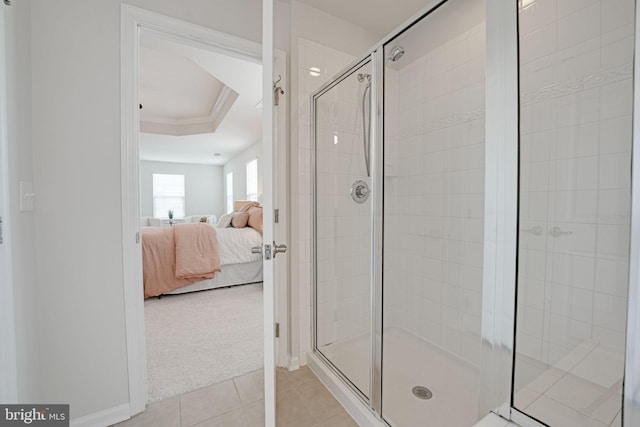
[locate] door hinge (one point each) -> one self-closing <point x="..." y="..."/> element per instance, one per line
<point x="277" y="91"/>
<point x="1" y="238"/>
<point x="276" y="215"/>
<point x="277" y="330"/>
<point x="138" y="237"/>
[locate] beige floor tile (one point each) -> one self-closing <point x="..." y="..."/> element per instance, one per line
<point x="291" y="411"/>
<point x="235" y="418"/>
<point x="301" y="376"/>
<point x="208" y="402"/>
<point x="283" y="380"/>
<point x="255" y="413"/>
<point x="320" y="403"/>
<point x="342" y="420"/>
<point x="250" y="386"/>
<point x="303" y="403"/>
<point x="162" y="414"/>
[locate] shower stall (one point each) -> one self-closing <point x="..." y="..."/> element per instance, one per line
<point x="476" y="220"/>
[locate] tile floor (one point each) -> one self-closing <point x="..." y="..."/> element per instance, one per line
<point x="301" y="401"/>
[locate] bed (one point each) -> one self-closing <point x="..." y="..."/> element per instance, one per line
<point x="199" y="256"/>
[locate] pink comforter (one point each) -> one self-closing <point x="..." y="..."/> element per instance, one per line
<point x="173" y="257"/>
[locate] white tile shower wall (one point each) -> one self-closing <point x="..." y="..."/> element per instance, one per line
<point x="576" y="86"/>
<point x="338" y="292"/>
<point x="434" y="158"/>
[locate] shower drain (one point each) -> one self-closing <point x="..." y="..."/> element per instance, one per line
<point x="422" y="392"/>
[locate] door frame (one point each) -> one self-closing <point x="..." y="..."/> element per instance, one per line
<point x="133" y="21"/>
<point x="8" y="361"/>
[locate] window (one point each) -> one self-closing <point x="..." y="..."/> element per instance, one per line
<point x="252" y="180"/>
<point x="168" y="194"/>
<point x="230" y="192"/>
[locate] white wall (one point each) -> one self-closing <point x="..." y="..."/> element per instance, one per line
<point x="238" y="165"/>
<point x="203" y="187"/>
<point x="76" y="162"/>
<point x="18" y="30"/>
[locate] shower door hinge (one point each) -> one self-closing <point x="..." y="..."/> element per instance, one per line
<point x="276" y="215"/>
<point x="277" y="330"/>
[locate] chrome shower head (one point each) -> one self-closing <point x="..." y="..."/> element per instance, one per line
<point x="396" y="53"/>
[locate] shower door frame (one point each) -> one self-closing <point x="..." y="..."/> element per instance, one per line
<point x="499" y="288"/>
<point x="333" y="82"/>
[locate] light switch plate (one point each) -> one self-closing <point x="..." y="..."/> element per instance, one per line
<point x="26" y="196"/>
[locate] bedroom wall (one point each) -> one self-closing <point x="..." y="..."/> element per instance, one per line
<point x="203" y="184"/>
<point x="18" y="30"/>
<point x="76" y="163"/>
<point x="238" y="165"/>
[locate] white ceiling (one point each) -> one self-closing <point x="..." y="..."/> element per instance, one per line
<point x="186" y="86"/>
<point x="180" y="73"/>
<point x="377" y="16"/>
<point x="180" y="97"/>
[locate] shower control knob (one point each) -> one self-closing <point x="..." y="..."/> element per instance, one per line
<point x="360" y="191"/>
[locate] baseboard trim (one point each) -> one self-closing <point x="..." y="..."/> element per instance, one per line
<point x="105" y="417"/>
<point x="294" y="363"/>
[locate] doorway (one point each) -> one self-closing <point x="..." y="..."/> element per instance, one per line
<point x="200" y="118"/>
<point x="136" y="21"/>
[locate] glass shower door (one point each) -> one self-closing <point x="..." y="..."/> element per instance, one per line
<point x="576" y="63"/>
<point x="434" y="130"/>
<point x="343" y="226"/>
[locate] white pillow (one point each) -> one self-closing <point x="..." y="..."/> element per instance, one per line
<point x="155" y="222"/>
<point x="225" y="220"/>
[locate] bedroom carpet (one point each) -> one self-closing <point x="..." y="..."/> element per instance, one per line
<point x="197" y="339"/>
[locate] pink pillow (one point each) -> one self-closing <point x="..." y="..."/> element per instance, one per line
<point x="240" y="219"/>
<point x="255" y="218"/>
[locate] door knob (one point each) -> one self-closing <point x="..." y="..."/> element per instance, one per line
<point x="278" y="249"/>
<point x="256" y="250"/>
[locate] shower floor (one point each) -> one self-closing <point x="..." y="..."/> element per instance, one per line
<point x="409" y="361"/>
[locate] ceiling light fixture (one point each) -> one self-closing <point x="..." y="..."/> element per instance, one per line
<point x="314" y="71"/>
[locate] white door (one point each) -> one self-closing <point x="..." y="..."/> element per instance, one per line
<point x="274" y="197"/>
<point x="8" y="387"/>
<point x="281" y="205"/>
